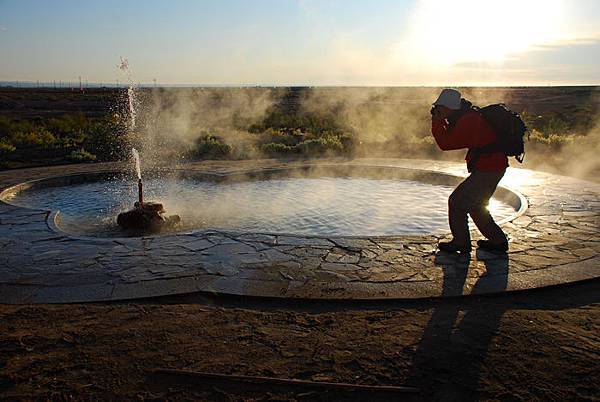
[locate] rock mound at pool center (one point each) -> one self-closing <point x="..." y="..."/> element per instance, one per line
<point x="148" y="216"/>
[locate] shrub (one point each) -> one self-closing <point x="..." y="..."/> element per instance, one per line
<point x="552" y="140"/>
<point x="107" y="139"/>
<point x="81" y="155"/>
<point x="275" y="148"/>
<point x="554" y="126"/>
<point x="72" y="125"/>
<point x="208" y="146"/>
<point x="294" y="123"/>
<point x="6" y="148"/>
<point x="39" y="137"/>
<point x="320" y="145"/>
<point x="547" y="125"/>
<point x="283" y="136"/>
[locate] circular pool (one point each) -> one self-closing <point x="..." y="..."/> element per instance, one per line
<point x="316" y="202"/>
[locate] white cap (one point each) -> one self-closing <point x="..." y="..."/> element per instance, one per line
<point x="449" y="98"/>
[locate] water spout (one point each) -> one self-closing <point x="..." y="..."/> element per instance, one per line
<point x="124" y="66"/>
<point x="136" y="159"/>
<point x="132" y="113"/>
<point x="138" y="170"/>
<point x="140" y="193"/>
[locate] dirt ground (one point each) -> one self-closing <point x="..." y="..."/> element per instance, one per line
<point x="535" y="345"/>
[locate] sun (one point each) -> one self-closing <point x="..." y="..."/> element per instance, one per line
<point x="447" y="33"/>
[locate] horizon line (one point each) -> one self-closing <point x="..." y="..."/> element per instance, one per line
<point x="96" y="85"/>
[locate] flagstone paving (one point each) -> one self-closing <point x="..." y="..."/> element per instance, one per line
<point x="556" y="240"/>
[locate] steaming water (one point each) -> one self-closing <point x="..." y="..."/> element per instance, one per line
<point x="307" y="206"/>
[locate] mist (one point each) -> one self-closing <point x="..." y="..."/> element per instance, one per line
<point x="381" y="122"/>
<point x="578" y="157"/>
<point x="374" y="115"/>
<point x="171" y="120"/>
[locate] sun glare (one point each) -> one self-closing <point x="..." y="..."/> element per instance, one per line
<point x="465" y="31"/>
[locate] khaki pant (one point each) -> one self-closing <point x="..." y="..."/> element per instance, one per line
<point x="472" y="197"/>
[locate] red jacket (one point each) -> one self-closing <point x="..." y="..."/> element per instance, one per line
<point x="470" y="131"/>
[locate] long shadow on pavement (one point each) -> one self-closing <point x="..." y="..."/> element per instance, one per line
<point x="453" y="347"/>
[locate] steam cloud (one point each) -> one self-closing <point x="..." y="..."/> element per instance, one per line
<point x="395" y="117"/>
<point x="173" y="119"/>
<point x="374" y="114"/>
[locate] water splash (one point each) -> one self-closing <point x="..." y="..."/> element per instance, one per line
<point x="132" y="113"/>
<point x="124" y="64"/>
<point x="136" y="158"/>
<point x="124" y="67"/>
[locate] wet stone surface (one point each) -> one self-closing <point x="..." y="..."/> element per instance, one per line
<point x="555" y="241"/>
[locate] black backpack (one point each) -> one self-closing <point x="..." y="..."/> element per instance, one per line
<point x="509" y="128"/>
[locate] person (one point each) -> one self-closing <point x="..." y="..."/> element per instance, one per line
<point x="455" y="124"/>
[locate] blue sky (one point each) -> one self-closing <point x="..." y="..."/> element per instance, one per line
<point x="304" y="42"/>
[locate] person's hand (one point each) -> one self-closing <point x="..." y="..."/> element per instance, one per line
<point x="439" y="113"/>
<point x="436" y="114"/>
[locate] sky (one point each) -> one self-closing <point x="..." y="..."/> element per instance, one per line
<point x="303" y="42"/>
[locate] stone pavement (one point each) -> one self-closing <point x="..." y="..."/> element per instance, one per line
<point x="556" y="240"/>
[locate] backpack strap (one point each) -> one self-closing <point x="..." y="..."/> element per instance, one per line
<point x="476" y="153"/>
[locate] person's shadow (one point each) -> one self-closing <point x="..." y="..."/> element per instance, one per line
<point x="449" y="355"/>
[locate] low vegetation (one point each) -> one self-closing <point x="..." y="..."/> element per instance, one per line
<point x="301" y="134"/>
<point x="76" y="136"/>
<point x="68" y="138"/>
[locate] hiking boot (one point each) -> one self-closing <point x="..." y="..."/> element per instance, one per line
<point x="451" y="247"/>
<point x="493" y="247"/>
